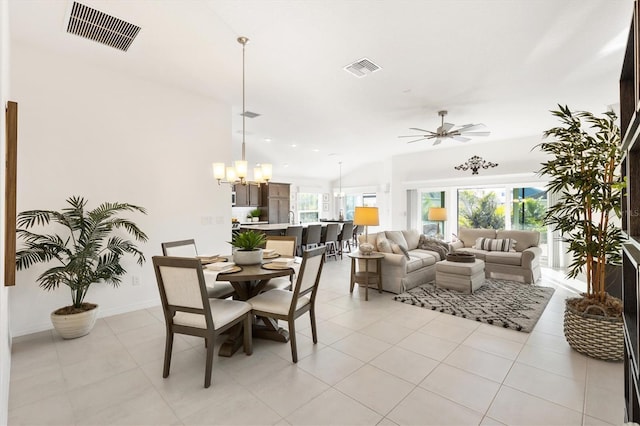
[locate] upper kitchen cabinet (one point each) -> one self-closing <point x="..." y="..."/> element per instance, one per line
<point x="247" y="195"/>
<point x="275" y="202"/>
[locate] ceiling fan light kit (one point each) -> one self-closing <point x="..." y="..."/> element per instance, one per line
<point x="449" y="131"/>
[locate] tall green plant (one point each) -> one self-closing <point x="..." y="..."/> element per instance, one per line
<point x="584" y="174"/>
<point x="87" y="249"/>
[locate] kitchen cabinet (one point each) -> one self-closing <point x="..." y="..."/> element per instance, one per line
<point x="275" y="202"/>
<point x="247" y="195"/>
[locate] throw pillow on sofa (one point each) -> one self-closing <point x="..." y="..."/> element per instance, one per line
<point x="398" y="249"/>
<point x="495" y="244"/>
<point x="383" y="245"/>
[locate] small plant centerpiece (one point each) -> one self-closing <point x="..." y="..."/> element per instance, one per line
<point x="584" y="174"/>
<point x="247" y="245"/>
<point x="255" y="215"/>
<point x="87" y="250"/>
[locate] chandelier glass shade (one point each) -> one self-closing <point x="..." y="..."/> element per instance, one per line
<point x="238" y="172"/>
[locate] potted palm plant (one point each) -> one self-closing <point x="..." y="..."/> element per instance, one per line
<point x="584" y="174"/>
<point x="247" y="247"/>
<point x="86" y="249"/>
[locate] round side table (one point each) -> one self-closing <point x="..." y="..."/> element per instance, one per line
<point x="366" y="277"/>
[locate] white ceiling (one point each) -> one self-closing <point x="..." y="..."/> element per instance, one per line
<point x="503" y="63"/>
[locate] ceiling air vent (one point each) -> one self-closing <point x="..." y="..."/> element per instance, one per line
<point x="362" y="67"/>
<point x="98" y="26"/>
<point x="250" y="114"/>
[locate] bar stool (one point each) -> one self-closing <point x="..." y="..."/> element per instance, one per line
<point x="344" y="237"/>
<point x="330" y="240"/>
<point x="295" y="231"/>
<point x="312" y="238"/>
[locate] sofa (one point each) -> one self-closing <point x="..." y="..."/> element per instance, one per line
<point x="507" y="254"/>
<point x="404" y="265"/>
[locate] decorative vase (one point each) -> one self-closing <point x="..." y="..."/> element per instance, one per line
<point x="596" y="336"/>
<point x="255" y="219"/>
<point x="247" y="257"/>
<point x="70" y="326"/>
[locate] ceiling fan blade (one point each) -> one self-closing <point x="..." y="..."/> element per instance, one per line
<point x="461" y="139"/>
<point x="446" y="127"/>
<point x="475" y="133"/>
<point x="417" y="140"/>
<point x="420" y="130"/>
<point x="472" y="127"/>
<point x="437" y="142"/>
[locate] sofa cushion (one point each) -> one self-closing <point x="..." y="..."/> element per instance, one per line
<point x="412" y="236"/>
<point x="413" y="264"/>
<point x="397" y="237"/>
<point x="504" y="258"/>
<point x="480" y="254"/>
<point x="525" y="239"/>
<point x="428" y="257"/>
<point x="469" y="235"/>
<point x="494" y="244"/>
<point x="383" y="245"/>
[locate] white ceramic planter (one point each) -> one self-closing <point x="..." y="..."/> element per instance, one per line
<point x="250" y="257"/>
<point x="74" y="325"/>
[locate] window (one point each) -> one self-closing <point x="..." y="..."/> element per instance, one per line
<point x="309" y="207"/>
<point x="428" y="200"/>
<point x="481" y="208"/>
<point x="353" y="200"/>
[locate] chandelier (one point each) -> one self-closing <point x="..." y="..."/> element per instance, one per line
<point x="475" y="163"/>
<point x="238" y="172"/>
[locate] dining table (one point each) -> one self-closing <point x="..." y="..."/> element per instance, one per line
<point x="247" y="283"/>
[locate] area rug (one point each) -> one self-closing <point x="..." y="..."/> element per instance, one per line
<point x="502" y="303"/>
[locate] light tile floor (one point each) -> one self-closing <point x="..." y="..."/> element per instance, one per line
<point x="377" y="362"/>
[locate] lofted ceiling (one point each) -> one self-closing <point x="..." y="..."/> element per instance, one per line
<point x="503" y="63"/>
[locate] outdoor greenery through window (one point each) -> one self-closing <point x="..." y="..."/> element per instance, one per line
<point x="309" y="207"/>
<point x="428" y="200"/>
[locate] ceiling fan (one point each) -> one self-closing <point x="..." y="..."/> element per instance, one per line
<point x="447" y="130"/>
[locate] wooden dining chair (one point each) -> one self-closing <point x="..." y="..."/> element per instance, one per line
<point x="289" y="305"/>
<point x="284" y="246"/>
<point x="187" y="248"/>
<point x="189" y="310"/>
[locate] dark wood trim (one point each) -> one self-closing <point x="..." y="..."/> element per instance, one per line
<point x="10" y="194"/>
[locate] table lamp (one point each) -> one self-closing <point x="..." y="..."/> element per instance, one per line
<point x="366" y="216"/>
<point x="438" y="214"/>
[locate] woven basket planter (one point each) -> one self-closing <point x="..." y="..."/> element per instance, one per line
<point x="596" y="336"/>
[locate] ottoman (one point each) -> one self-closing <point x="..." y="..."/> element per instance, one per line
<point x="460" y="276"/>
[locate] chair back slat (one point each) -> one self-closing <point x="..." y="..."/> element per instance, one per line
<point x="283" y="245"/>
<point x="313" y="234"/>
<point x="346" y="232"/>
<point x="183" y="248"/>
<point x="332" y="232"/>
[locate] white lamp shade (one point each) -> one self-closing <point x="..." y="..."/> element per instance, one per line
<point x="241" y="168"/>
<point x="231" y="174"/>
<point x="218" y="171"/>
<point x="257" y="174"/>
<point x="267" y="171"/>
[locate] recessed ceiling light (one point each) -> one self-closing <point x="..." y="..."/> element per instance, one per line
<point x="315" y="150"/>
<point x="293" y="145"/>
<point x="267" y="139"/>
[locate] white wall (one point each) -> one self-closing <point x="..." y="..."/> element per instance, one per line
<point x="110" y="137"/>
<point x="5" y="335"/>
